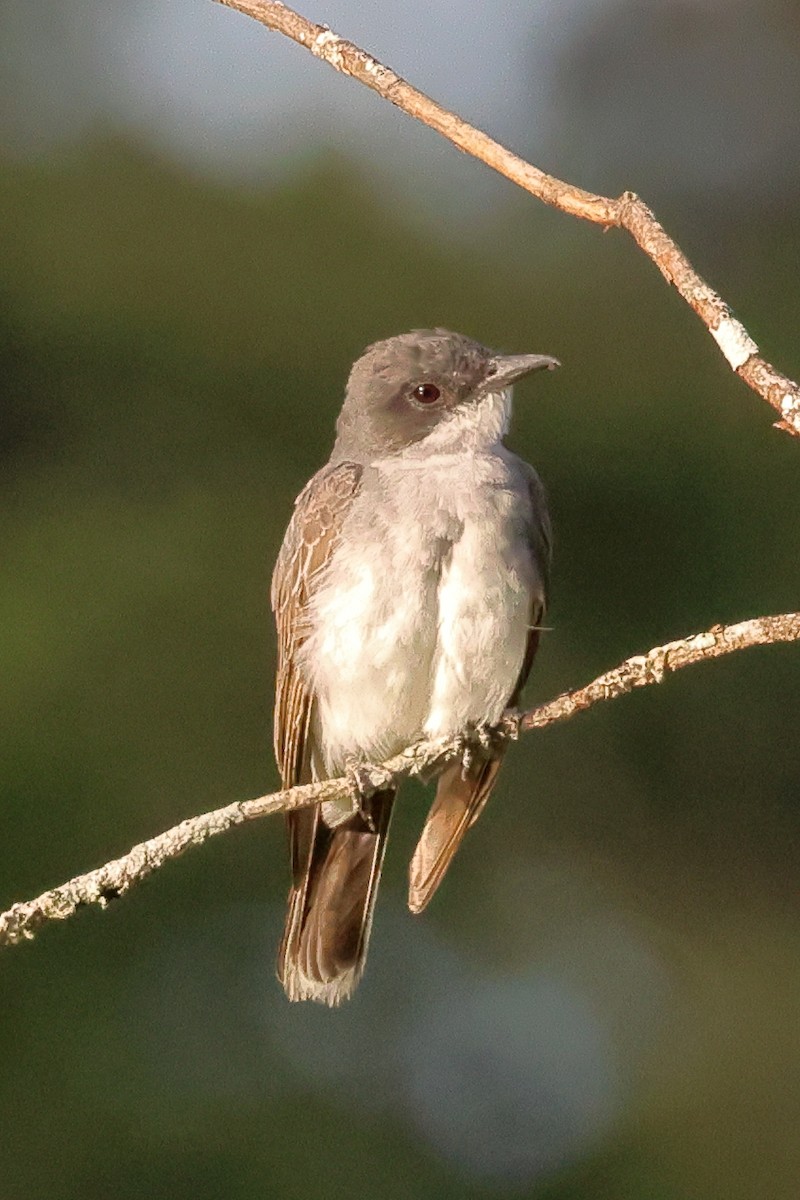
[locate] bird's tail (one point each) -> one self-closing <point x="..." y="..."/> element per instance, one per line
<point x="335" y="876"/>
<point x="461" y="795"/>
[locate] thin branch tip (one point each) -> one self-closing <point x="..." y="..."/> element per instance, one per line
<point x="628" y="211"/>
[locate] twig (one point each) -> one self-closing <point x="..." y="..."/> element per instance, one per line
<point x="23" y="920"/>
<point x="644" y="669"/>
<point x="626" y="212"/>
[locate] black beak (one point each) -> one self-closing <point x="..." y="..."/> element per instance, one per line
<point x="505" y="369"/>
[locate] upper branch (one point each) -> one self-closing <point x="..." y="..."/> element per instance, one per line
<point x="626" y="212"/>
<point x="22" y="920"/>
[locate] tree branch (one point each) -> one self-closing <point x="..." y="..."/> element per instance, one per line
<point x="626" y="212"/>
<point x="23" y="920"/>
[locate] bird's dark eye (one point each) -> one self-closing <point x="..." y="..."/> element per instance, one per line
<point x="426" y="393"/>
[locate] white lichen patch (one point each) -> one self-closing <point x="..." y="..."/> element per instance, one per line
<point x="734" y="341"/>
<point x="326" y="45"/>
<point x="740" y="630"/>
<point x="372" y="67"/>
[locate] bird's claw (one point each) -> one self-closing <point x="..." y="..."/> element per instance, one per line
<point x="477" y="742"/>
<point x="365" y="780"/>
<point x="511" y="723"/>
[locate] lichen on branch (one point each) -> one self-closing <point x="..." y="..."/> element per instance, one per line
<point x="23" y="920"/>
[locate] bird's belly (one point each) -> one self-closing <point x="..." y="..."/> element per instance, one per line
<point x="484" y="613"/>
<point x="421" y="623"/>
<point x="408" y="641"/>
<point x="371" y="652"/>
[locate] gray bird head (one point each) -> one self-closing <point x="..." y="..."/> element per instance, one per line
<point x="429" y="386"/>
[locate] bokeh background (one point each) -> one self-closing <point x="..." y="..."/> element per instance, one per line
<point x="201" y="228"/>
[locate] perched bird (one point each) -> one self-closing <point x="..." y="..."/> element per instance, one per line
<point x="408" y="596"/>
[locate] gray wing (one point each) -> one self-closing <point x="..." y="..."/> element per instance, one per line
<point x="462" y="795"/>
<point x="540" y="546"/>
<point x="310" y="539"/>
<point x="312" y="535"/>
<point x="334" y="872"/>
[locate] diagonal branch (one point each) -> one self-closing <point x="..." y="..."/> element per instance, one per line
<point x="626" y="212"/>
<point x="23" y="920"/>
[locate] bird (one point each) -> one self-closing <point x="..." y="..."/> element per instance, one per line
<point x="408" y="596"/>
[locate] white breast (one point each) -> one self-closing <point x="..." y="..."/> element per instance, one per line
<point x="484" y="613"/>
<point x="421" y="623"/>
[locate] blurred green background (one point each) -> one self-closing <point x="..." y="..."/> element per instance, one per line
<point x="604" y="1000"/>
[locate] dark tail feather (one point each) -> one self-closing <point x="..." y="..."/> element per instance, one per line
<point x="459" y="801"/>
<point x="331" y="901"/>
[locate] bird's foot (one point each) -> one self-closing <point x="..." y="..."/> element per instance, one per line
<point x="477" y="742"/>
<point x="365" y="779"/>
<point x="510" y="725"/>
